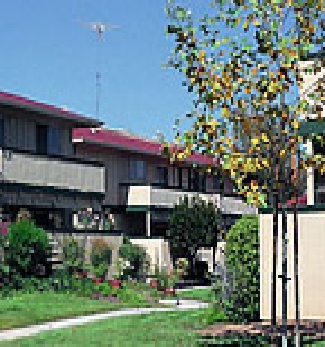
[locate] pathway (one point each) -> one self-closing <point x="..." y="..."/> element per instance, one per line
<point x="13" y="334"/>
<point x="193" y="287"/>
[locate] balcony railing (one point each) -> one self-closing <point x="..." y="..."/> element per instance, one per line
<point x="234" y="205"/>
<point x="147" y="195"/>
<point x="49" y="171"/>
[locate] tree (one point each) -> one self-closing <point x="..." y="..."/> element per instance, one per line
<point x="192" y="224"/>
<point x="242" y="62"/>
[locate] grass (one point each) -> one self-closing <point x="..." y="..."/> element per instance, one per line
<point x="145" y="290"/>
<point x="159" y="329"/>
<point x="26" y="309"/>
<point x="315" y="344"/>
<point x="198" y="294"/>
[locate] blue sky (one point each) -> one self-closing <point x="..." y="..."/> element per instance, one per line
<point x="46" y="54"/>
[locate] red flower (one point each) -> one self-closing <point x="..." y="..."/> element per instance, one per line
<point x="4" y="228"/>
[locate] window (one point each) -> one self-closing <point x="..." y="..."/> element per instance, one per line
<point x="162" y="176"/>
<point x="199" y="182"/>
<point x="2" y="132"/>
<point x="138" y="169"/>
<point x="179" y="177"/>
<point x="54" y="140"/>
<point x="228" y="186"/>
<point x="217" y="182"/>
<point x="41" y="138"/>
<point x="189" y="179"/>
<point x="48" y="139"/>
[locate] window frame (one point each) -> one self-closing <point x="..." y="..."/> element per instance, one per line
<point x="137" y="171"/>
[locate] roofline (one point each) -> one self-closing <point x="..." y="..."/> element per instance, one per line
<point x="9" y="99"/>
<point x="123" y="148"/>
<point x="112" y="145"/>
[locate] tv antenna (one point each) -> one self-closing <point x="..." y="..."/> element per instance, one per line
<point x="99" y="28"/>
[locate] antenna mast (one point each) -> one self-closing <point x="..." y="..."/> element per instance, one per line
<point x="100" y="28"/>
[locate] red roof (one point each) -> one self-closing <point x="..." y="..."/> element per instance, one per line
<point x="22" y="102"/>
<point x="115" y="138"/>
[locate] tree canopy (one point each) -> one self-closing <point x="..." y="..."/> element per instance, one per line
<point x="245" y="63"/>
<point x="193" y="223"/>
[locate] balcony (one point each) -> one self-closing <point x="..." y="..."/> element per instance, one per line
<point x="234" y="205"/>
<point x="51" y="171"/>
<point x="146" y="195"/>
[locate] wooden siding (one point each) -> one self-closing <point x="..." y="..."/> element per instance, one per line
<point x="20" y="129"/>
<point x="117" y="170"/>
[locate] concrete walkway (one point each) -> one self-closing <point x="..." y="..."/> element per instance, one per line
<point x="13" y="334"/>
<point x="194" y="287"/>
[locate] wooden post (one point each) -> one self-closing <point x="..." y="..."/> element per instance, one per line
<point x="148" y="219"/>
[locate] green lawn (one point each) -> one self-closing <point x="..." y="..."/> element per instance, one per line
<point x="26" y="309"/>
<point x="155" y="329"/>
<point x="198" y="294"/>
<point x="318" y="344"/>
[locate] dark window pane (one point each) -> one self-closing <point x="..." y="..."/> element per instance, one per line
<point x="41" y="139"/>
<point x="162" y="176"/>
<point x="138" y="169"/>
<point x="2" y="132"/>
<point x="54" y="140"/>
<point x="199" y="181"/>
<point x="217" y="182"/>
<point x="180" y="177"/>
<point x="189" y="179"/>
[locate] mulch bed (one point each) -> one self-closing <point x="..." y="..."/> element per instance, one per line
<point x="306" y="327"/>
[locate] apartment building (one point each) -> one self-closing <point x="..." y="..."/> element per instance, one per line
<point x="39" y="169"/>
<point x="142" y="186"/>
<point x="55" y="163"/>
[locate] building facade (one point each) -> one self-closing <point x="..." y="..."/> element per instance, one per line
<point x="38" y="167"/>
<point x="142" y="186"/>
<point x="69" y="173"/>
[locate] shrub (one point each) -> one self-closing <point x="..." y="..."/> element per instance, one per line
<point x="101" y="257"/>
<point x="131" y="297"/>
<point x="161" y="275"/>
<point x="27" y="251"/>
<point x="136" y="256"/>
<point x="242" y="264"/>
<point x="73" y="255"/>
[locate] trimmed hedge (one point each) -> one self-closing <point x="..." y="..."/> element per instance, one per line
<point x="242" y="264"/>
